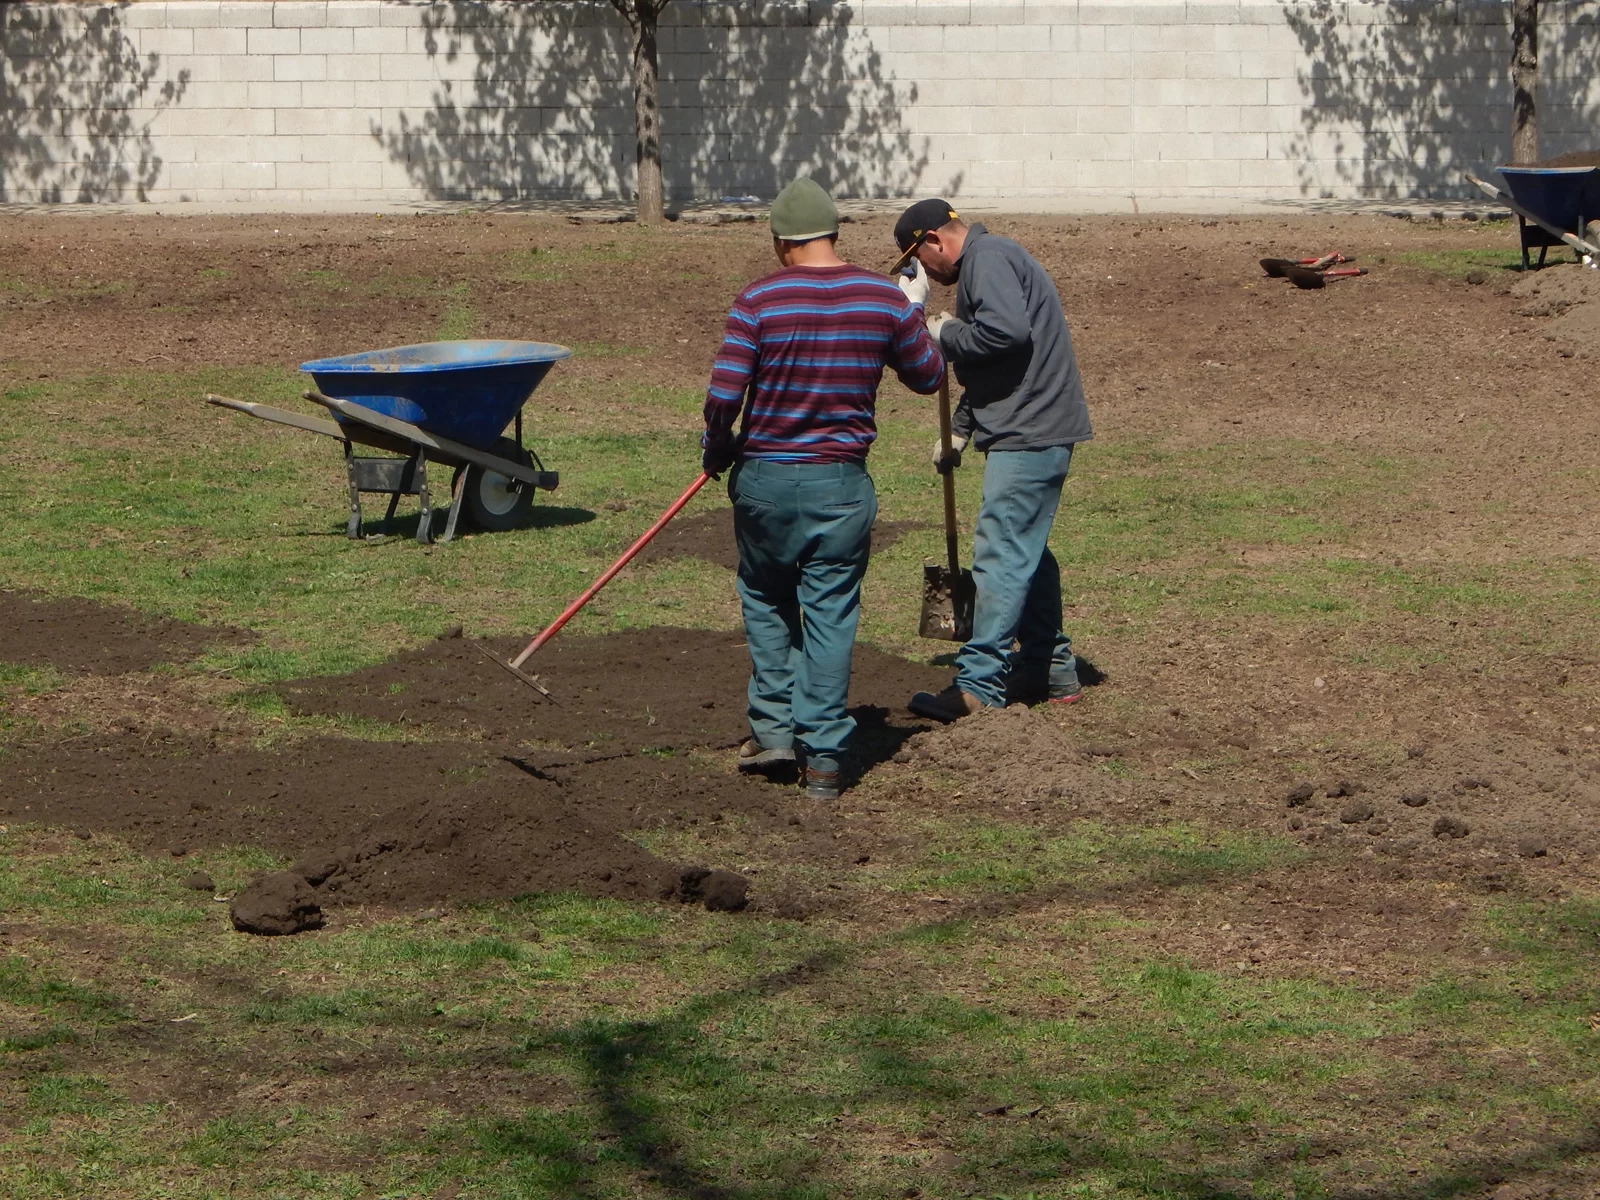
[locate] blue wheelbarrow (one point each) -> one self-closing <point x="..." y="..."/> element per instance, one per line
<point x="442" y="402"/>
<point x="1554" y="206"/>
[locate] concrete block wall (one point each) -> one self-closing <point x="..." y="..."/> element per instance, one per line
<point x="340" y="101"/>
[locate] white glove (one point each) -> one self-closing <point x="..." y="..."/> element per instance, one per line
<point x="938" y="322"/>
<point x="941" y="463"/>
<point x="914" y="286"/>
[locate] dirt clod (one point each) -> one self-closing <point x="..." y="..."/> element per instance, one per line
<point x="277" y="904"/>
<point x="1532" y="846"/>
<point x="1414" y="799"/>
<point x="1452" y="827"/>
<point x="1345" y="787"/>
<point x="1300" y="794"/>
<point x="1354" y="814"/>
<point x="719" y="890"/>
<point x="200" y="882"/>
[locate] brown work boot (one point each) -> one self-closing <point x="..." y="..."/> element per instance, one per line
<point x="949" y="705"/>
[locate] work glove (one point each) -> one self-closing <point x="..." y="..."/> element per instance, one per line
<point x="945" y="463"/>
<point x="913" y="281"/>
<point x="937" y="322"/>
<point x="714" y="460"/>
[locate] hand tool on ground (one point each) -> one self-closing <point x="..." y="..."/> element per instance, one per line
<point x="1276" y="267"/>
<point x="947" y="590"/>
<point x="515" y="665"/>
<point x="1589" y="251"/>
<point x="1307" y="277"/>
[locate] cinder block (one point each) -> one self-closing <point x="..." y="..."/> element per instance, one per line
<point x="186" y="175"/>
<point x="1239" y="146"/>
<point x="1156" y="176"/>
<point x="199" y="69"/>
<point x="1272" y="64"/>
<point x="165" y="41"/>
<point x="173" y="149"/>
<point x="194" y="14"/>
<point x="1049" y="175"/>
<point x="1244" y="39"/>
<point x="404" y="66"/>
<point x="353" y="66"/>
<point x="250" y="66"/>
<point x="1050" y="120"/>
<point x="335" y="40"/>
<point x="1214" y="173"/>
<point x="1101" y="120"/>
<point x="1186" y="38"/>
<point x="974" y="38"/>
<point x="272" y="41"/>
<point x="224" y="40"/>
<point x="356" y="175"/>
<point x="1049" y="14"/>
<point x="1286" y="92"/>
<point x="1105" y="174"/>
<point x="274" y="149"/>
<point x="302" y="67"/>
<point x="300" y="14"/>
<point x="377" y="39"/>
<point x="400" y="15"/>
<point x="1212" y="118"/>
<point x="351" y="14"/>
<point x="149" y="15"/>
<point x="998" y="12"/>
<point x="1160" y="118"/>
<point x="249" y="174"/>
<point x="1160" y="93"/>
<point x="1157" y="65"/>
<point x="906" y="39"/>
<point x="1211" y="66"/>
<point x="271" y="94"/>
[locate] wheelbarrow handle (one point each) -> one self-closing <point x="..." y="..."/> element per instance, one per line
<point x="627" y="556"/>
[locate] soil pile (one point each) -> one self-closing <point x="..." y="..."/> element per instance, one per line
<point x="84" y="637"/>
<point x="526" y="796"/>
<point x="1573" y="158"/>
<point x="709" y="537"/>
<point x="1567" y="294"/>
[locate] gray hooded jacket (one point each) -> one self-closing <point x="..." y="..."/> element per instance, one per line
<point x="1011" y="351"/>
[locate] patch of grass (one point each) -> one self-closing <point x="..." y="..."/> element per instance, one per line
<point x="975" y="856"/>
<point x="1457" y="263"/>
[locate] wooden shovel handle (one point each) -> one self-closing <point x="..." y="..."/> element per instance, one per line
<point x="949" y="476"/>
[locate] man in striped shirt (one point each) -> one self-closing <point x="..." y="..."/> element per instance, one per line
<point x="801" y="358"/>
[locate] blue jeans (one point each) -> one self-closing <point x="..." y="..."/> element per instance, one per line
<point x="1018" y="581"/>
<point x="803" y="531"/>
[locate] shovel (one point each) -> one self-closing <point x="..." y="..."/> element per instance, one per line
<point x="515" y="665"/>
<point x="1306" y="277"/>
<point x="947" y="590"/>
<point x="1279" y="267"/>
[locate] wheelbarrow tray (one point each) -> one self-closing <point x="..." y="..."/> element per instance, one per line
<point x="465" y="391"/>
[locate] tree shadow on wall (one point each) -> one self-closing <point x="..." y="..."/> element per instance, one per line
<point x="1411" y="93"/>
<point x="543" y="107"/>
<point x="74" y="87"/>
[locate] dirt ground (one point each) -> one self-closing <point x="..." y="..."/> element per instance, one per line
<point x="1177" y="333"/>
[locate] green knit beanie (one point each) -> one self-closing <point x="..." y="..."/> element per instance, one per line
<point x="803" y="211"/>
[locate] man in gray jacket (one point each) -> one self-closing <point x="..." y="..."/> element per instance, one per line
<point x="1023" y="406"/>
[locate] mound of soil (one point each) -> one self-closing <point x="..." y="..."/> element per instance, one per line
<point x="84" y="637"/>
<point x="539" y="797"/>
<point x="709" y="536"/>
<point x="655" y="688"/>
<point x="1573" y="158"/>
<point x="1569" y="295"/>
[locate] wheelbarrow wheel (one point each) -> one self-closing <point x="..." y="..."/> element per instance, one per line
<point x="496" y="502"/>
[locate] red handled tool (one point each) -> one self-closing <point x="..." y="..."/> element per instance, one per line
<point x="1278" y="267"/>
<point x="515" y="665"/>
<point x="1307" y="277"/>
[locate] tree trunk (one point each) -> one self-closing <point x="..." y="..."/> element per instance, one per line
<point x="642" y="17"/>
<point x="1524" y="81"/>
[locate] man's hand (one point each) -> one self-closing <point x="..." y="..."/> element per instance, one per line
<point x="945" y="463"/>
<point x="913" y="281"/>
<point x="714" y="460"/>
<point x="937" y="322"/>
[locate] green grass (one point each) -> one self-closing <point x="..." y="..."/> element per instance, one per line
<point x="594" y="1046"/>
<point x="1461" y="262"/>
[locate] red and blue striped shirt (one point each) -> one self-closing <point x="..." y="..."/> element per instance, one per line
<point x="802" y="356"/>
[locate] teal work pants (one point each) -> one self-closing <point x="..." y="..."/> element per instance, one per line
<point x="804" y="535"/>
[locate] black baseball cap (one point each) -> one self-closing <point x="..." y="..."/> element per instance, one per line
<point x="921" y="219"/>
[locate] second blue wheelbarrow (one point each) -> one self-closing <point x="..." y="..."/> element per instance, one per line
<point x="1554" y="206"/>
<point x="443" y="402"/>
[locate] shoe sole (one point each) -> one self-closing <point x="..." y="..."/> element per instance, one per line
<point x="766" y="760"/>
<point x="1072" y="699"/>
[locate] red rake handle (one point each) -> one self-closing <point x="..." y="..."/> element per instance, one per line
<point x="627" y="556"/>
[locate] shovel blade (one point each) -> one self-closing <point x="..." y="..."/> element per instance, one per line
<point x="947" y="599"/>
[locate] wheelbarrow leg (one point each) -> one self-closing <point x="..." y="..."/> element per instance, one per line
<point x="352" y="526"/>
<point x="424" y="502"/>
<point x="457" y="496"/>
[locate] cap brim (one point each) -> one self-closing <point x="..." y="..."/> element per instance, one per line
<point x="905" y="256"/>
